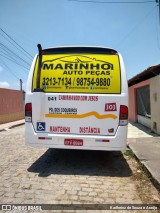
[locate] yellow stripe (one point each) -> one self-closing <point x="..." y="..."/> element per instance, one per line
<point x="96" y="114"/>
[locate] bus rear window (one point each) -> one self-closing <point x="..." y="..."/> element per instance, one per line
<point x="79" y="73"/>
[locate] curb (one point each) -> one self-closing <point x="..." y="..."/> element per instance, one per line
<point x="12" y="126"/>
<point x="16" y="125"/>
<point x="154" y="181"/>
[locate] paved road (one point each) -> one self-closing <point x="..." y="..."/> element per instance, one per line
<point x="48" y="176"/>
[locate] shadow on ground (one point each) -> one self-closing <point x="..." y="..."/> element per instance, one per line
<point x="81" y="162"/>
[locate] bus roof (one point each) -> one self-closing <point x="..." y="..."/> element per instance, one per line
<point x="79" y="49"/>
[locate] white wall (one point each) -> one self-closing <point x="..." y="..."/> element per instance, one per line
<point x="155" y="103"/>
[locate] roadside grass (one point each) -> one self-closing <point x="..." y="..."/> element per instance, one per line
<point x="142" y="180"/>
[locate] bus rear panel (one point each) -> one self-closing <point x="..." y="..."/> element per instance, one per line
<point x="80" y="101"/>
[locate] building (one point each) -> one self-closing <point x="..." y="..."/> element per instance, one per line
<point x="144" y="98"/>
<point x="11" y="105"/>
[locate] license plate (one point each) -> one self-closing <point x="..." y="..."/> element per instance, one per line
<point x="73" y="142"/>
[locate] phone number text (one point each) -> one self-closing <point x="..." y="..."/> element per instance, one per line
<point x="76" y="81"/>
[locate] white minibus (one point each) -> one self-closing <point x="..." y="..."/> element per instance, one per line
<point x="77" y="98"/>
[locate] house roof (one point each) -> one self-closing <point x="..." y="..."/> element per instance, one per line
<point x="148" y="73"/>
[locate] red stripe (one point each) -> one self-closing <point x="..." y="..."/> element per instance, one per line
<point x="105" y="140"/>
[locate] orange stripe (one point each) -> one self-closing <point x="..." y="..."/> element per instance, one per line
<point x="96" y="114"/>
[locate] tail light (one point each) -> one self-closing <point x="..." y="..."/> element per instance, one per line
<point x="123" y="117"/>
<point x="28" y="112"/>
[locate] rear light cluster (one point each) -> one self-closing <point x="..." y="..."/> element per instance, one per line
<point x="28" y="112"/>
<point x="123" y="116"/>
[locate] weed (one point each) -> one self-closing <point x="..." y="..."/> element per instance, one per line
<point x="129" y="153"/>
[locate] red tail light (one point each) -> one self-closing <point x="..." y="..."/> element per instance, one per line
<point x="123" y="116"/>
<point x="28" y="112"/>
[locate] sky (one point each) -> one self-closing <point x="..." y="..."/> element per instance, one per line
<point x="133" y="29"/>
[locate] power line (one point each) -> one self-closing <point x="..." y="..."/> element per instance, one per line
<point x="9" y="69"/>
<point x="16" y="42"/>
<point x="15" y="46"/>
<point x="7" y="55"/>
<point x="12" y="59"/>
<point x="22" y="68"/>
<point x="4" y="46"/>
<point x="113" y="2"/>
<point x="14" y="62"/>
<point x="3" y="54"/>
<point x="133" y="29"/>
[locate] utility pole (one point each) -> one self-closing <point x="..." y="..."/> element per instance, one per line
<point x="21" y="84"/>
<point x="158" y="4"/>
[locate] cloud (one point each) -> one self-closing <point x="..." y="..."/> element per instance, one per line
<point x="4" y="84"/>
<point x="1" y="69"/>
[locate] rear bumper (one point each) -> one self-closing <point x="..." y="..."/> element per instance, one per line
<point x="90" y="142"/>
